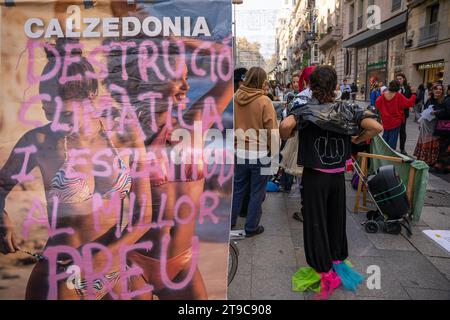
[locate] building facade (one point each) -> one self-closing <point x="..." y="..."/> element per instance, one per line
<point x="373" y="40"/>
<point x="427" y="51"/>
<point x="283" y="43"/>
<point x="329" y="35"/>
<point x="309" y="32"/>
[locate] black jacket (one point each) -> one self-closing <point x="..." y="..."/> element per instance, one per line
<point x="407" y="93"/>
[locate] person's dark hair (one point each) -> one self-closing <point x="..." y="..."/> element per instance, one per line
<point x="394" y="86"/>
<point x="323" y="82"/>
<point x="75" y="89"/>
<point x="421" y="87"/>
<point x="239" y="75"/>
<point x="429" y="85"/>
<point x="405" y="82"/>
<point x="448" y="87"/>
<point x="255" y="78"/>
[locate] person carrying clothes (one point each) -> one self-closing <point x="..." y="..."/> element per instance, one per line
<point x="442" y="130"/>
<point x="405" y="90"/>
<point x="287" y="179"/>
<point x="254" y="120"/>
<point x="427" y="147"/>
<point x="391" y="104"/>
<point x="289" y="161"/>
<point x="324" y="154"/>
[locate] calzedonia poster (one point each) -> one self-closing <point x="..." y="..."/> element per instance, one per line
<point x="115" y="170"/>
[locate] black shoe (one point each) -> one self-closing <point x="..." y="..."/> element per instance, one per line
<point x="233" y="226"/>
<point x="258" y="230"/>
<point x="298" y="216"/>
<point x="243" y="214"/>
<point x="403" y="152"/>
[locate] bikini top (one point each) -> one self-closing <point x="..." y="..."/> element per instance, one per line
<point x="69" y="188"/>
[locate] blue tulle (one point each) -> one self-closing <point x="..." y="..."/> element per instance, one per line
<point x="349" y="277"/>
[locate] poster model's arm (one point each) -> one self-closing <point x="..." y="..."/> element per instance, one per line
<point x="222" y="92"/>
<point x="20" y="162"/>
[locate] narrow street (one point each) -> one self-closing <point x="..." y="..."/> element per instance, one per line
<point x="411" y="268"/>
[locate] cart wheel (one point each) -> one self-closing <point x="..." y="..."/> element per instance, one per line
<point x="371" y="227"/>
<point x="379" y="217"/>
<point x="371" y="214"/>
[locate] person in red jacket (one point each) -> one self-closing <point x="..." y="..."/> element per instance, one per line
<point x="391" y="105"/>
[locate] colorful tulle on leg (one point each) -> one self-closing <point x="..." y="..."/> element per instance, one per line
<point x="306" y="279"/>
<point x="350" y="278"/>
<point x="329" y="281"/>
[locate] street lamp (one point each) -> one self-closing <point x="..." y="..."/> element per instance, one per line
<point x="235" y="2"/>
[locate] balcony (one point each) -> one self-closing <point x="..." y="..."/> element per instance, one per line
<point x="330" y="39"/>
<point x="360" y="21"/>
<point x="429" y="34"/>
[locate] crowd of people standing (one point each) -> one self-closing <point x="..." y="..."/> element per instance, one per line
<point x="322" y="184"/>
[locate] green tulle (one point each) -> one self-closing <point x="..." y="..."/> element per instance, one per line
<point x="347" y="262"/>
<point x="306" y="278"/>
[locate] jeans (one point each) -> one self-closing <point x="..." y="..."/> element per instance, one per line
<point x="391" y="137"/>
<point x="249" y="175"/>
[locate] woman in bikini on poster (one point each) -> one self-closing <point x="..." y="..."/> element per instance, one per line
<point x="174" y="255"/>
<point x="84" y="173"/>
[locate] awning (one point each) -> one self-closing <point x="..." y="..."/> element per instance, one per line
<point x="389" y="28"/>
<point x="431" y="65"/>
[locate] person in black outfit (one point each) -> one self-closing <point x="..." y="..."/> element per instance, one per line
<point x="324" y="155"/>
<point x="405" y="90"/>
<point x="354" y="89"/>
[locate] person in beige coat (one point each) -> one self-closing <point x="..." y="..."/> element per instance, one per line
<point x="255" y="121"/>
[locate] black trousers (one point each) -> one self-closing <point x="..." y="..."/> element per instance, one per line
<point x="402" y="136"/>
<point x="324" y="215"/>
<point x="403" y="131"/>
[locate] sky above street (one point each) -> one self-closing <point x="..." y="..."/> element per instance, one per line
<point x="256" y="20"/>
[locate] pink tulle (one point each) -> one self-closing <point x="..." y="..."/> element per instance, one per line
<point x="329" y="282"/>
